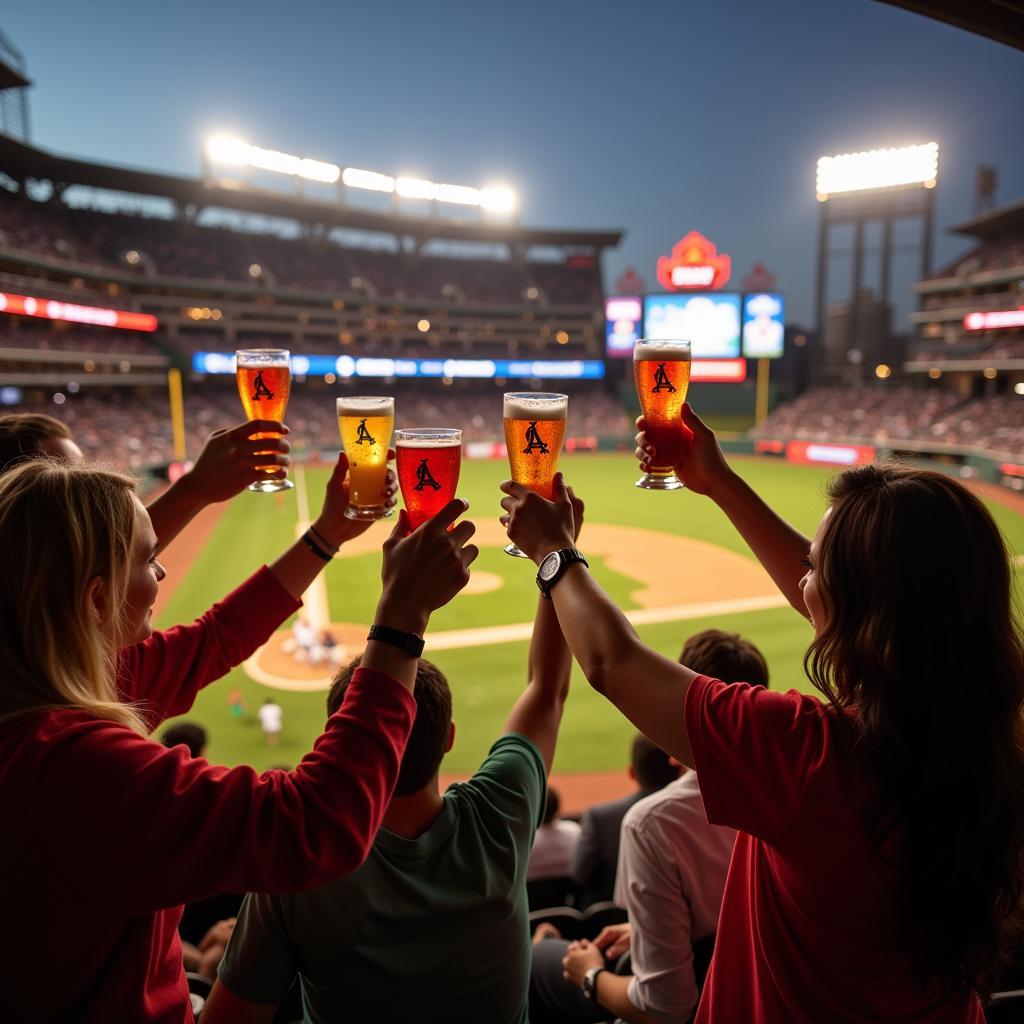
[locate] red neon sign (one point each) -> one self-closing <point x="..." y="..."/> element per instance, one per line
<point x="51" y="309"/>
<point x="695" y="265"/>
<point x="831" y="454"/>
<point x="998" y="318"/>
<point x="719" y="371"/>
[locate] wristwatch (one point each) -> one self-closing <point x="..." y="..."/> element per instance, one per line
<point x="554" y="565"/>
<point x="590" y="982"/>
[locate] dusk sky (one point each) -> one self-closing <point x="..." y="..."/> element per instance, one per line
<point x="653" y="117"/>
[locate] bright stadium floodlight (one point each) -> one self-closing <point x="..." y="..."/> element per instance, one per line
<point x="498" y="199"/>
<point x="374" y="181"/>
<point x="878" y="168"/>
<point x="461" y="195"/>
<point x="226" y="149"/>
<point x="415" y="188"/>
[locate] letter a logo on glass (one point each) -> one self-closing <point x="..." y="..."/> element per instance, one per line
<point x="364" y="436"/>
<point x="424" y="477"/>
<point x="661" y="381"/>
<point x="534" y="442"/>
<point x="260" y="389"/>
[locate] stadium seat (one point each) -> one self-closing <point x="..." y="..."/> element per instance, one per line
<point x="551" y="892"/>
<point x="600" y="915"/>
<point x="567" y="920"/>
<point x="198" y="991"/>
<point x="1005" y="1007"/>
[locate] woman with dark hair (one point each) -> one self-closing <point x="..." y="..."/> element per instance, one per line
<point x="879" y="870"/>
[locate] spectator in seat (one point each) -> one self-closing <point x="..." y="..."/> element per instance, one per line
<point x="854" y="893"/>
<point x="597" y="852"/>
<point x="124" y="830"/>
<point x="434" y="926"/>
<point x="554" y="843"/>
<point x="672" y="871"/>
<point x="189" y="734"/>
<point x="225" y="467"/>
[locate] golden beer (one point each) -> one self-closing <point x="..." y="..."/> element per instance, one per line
<point x="534" y="432"/>
<point x="662" y="373"/>
<point x="263" y="376"/>
<point x="365" y="425"/>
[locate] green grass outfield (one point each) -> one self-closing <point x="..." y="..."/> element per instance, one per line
<point x="485" y="680"/>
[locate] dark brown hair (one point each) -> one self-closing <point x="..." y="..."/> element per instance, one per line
<point x="725" y="656"/>
<point x="919" y="637"/>
<point x="652" y="767"/>
<point x="22" y="433"/>
<point x="429" y="735"/>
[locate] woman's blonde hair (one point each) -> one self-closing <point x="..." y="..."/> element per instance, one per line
<point x="61" y="526"/>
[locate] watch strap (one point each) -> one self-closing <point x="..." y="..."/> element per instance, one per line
<point x="408" y="642"/>
<point x="566" y="557"/>
<point x="590" y="982"/>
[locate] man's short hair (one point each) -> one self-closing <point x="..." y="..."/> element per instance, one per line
<point x="21" y="434"/>
<point x="552" y="805"/>
<point x="429" y="735"/>
<point x="652" y="767"/>
<point x="725" y="656"/>
<point x="192" y="735"/>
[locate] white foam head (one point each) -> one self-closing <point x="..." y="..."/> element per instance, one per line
<point x="366" y="405"/>
<point x="536" y="405"/>
<point x="428" y="437"/>
<point x="665" y="351"/>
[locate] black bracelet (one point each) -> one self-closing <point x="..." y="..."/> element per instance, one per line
<point x="323" y="540"/>
<point x="315" y="548"/>
<point x="408" y="642"/>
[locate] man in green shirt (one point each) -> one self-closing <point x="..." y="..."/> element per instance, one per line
<point x="434" y="926"/>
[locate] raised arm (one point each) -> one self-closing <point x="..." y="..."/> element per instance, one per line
<point x="537" y="713"/>
<point x="645" y="686"/>
<point x="225" y="467"/>
<point x="779" y="547"/>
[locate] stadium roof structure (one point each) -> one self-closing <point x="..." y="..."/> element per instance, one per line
<point x="20" y="161"/>
<point x="997" y="223"/>
<point x="1001" y="20"/>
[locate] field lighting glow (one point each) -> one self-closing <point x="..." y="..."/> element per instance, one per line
<point x="230" y="151"/>
<point x="878" y="168"/>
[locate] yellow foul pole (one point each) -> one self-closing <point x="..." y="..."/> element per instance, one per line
<point x="177" y="413"/>
<point x="761" y="401"/>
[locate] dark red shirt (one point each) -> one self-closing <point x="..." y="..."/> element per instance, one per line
<point x="809" y="930"/>
<point x="107" y="833"/>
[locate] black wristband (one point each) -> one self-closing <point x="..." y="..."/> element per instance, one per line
<point x="315" y="548"/>
<point x="408" y="642"/>
<point x="322" y="540"/>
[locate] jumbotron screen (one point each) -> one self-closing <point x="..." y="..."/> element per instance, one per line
<point x="710" y="321"/>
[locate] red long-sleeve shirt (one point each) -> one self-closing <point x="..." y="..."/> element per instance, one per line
<point x="107" y="833"/>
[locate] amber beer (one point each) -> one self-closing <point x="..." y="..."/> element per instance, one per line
<point x="534" y="432"/>
<point x="662" y="373"/>
<point x="365" y="425"/>
<point x="429" y="460"/>
<point x="264" y="377"/>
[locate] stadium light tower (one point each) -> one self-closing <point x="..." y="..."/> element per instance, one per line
<point x="857" y="188"/>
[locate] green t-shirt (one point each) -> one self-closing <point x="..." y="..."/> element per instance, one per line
<point x="428" y="929"/>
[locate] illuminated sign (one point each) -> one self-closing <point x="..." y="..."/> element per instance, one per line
<point x="763" y="327"/>
<point x="623" y="320"/>
<point x="1000" y="318"/>
<point x="710" y="322"/>
<point x="371" y="366"/>
<point x="719" y="371"/>
<point x="695" y="263"/>
<point x="50" y="309"/>
<point x="830" y="454"/>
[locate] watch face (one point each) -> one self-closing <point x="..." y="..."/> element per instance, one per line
<point x="550" y="565"/>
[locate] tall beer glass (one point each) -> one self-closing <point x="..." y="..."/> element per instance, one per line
<point x="662" y="372"/>
<point x="429" y="460"/>
<point x="534" y="431"/>
<point x="365" y="425"/>
<point x="264" y="376"/>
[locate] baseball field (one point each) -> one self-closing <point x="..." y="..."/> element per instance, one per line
<point x="671" y="560"/>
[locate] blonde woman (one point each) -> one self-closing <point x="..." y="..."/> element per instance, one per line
<point x="108" y="832"/>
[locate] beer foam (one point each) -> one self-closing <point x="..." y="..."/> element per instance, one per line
<point x="666" y="351"/>
<point x="525" y="405"/>
<point x="435" y="437"/>
<point x="365" y="406"/>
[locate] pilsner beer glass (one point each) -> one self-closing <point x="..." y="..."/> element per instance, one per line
<point x="365" y="425"/>
<point x="662" y="372"/>
<point x="534" y="431"/>
<point x="263" y="376"/>
<point x="429" y="460"/>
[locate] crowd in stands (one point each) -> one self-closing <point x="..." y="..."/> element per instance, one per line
<point x="892" y="415"/>
<point x="151" y="246"/>
<point x="974" y="348"/>
<point x="99" y="341"/>
<point x="995" y="254"/>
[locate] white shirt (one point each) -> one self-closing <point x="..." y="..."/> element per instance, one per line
<point x="552" y="850"/>
<point x="671" y="877"/>
<point x="270" y="717"/>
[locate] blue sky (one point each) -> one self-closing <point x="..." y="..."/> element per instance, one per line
<point x="653" y="117"/>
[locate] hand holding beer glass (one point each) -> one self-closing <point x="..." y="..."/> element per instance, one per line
<point x="263" y="376"/>
<point x="365" y="424"/>
<point x="662" y="373"/>
<point x="534" y="432"/>
<point x="429" y="460"/>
